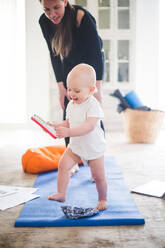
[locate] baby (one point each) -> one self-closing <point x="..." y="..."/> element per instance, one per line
<point x="82" y="125"/>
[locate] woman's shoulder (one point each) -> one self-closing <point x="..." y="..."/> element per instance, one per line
<point x="46" y="25"/>
<point x="43" y="18"/>
<point x="81" y="14"/>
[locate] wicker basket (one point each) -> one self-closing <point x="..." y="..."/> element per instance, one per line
<point x="143" y="126"/>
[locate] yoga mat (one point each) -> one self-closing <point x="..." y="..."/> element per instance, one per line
<point x="42" y="212"/>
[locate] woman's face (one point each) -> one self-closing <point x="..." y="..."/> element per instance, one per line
<point x="54" y="9"/>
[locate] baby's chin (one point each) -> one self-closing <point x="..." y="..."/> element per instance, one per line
<point x="76" y="102"/>
<point x="79" y="101"/>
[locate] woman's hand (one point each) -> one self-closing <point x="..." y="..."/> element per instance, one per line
<point x="98" y="93"/>
<point x="98" y="96"/>
<point x="62" y="94"/>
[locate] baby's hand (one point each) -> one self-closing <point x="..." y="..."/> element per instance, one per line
<point x="62" y="132"/>
<point x="51" y="124"/>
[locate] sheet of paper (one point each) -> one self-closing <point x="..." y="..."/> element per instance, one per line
<point x="153" y="188"/>
<point x="15" y="199"/>
<point x="11" y="196"/>
<point x="7" y="190"/>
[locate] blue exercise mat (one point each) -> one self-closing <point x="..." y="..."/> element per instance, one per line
<point x="41" y="212"/>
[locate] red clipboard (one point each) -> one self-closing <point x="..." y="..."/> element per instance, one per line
<point x="50" y="130"/>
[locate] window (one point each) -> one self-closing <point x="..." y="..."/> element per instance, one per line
<point x="115" y="21"/>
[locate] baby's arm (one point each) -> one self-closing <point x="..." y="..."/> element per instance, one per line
<point x="80" y="130"/>
<point x="84" y="128"/>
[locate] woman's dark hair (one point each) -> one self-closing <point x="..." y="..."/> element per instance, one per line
<point x="62" y="40"/>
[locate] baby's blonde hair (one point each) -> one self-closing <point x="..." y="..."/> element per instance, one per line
<point x="85" y="72"/>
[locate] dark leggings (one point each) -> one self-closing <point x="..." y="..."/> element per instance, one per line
<point x="64" y="118"/>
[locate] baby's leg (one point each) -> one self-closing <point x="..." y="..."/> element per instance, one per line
<point x="98" y="173"/>
<point x="74" y="169"/>
<point x="67" y="161"/>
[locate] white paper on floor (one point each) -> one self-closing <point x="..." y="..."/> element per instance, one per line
<point x="153" y="188"/>
<point x="11" y="196"/>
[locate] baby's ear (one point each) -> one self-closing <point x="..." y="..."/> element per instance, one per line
<point x="92" y="88"/>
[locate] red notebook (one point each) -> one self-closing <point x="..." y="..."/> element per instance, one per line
<point x="50" y="130"/>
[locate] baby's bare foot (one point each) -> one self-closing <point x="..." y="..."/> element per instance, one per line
<point x="102" y="205"/>
<point x="57" y="197"/>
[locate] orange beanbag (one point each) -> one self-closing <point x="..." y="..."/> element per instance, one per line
<point x="36" y="160"/>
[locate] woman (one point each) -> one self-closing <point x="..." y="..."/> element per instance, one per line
<point x="72" y="38"/>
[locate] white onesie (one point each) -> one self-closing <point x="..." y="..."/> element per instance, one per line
<point x="91" y="145"/>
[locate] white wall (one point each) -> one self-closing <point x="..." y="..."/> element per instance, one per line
<point x="146" y="63"/>
<point x="161" y="89"/>
<point x="37" y="63"/>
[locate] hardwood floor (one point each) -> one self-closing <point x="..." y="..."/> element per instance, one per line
<point x="139" y="164"/>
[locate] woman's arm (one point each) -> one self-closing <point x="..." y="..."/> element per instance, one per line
<point x="55" y="60"/>
<point x="98" y="93"/>
<point x="80" y="130"/>
<point x="91" y="52"/>
<point x="62" y="94"/>
<point x="80" y="15"/>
